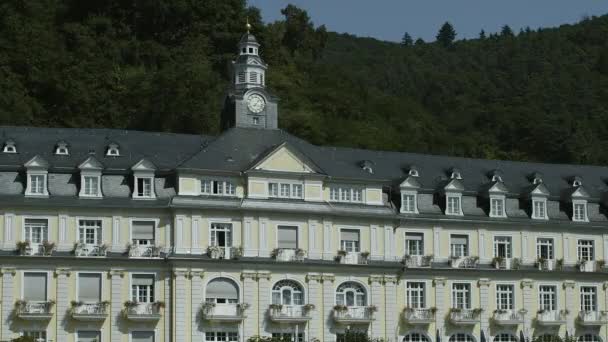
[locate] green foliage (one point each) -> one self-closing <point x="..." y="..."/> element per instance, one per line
<point x="357" y="336"/>
<point x="24" y="339"/>
<point x="407" y="40"/>
<point x="164" y="65"/>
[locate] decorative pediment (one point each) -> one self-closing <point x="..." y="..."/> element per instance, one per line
<point x="580" y="192"/>
<point x="37" y="163"/>
<point x="285" y="158"/>
<point x="91" y="163"/>
<point x="143" y="165"/>
<point x="454" y="185"/>
<point x="410" y="182"/>
<point x="539" y="190"/>
<point x="498" y="187"/>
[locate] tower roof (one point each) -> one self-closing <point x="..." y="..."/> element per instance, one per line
<point x="248" y="38"/>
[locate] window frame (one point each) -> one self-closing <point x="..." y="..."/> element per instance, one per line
<point x="290" y="187"/>
<point x="500" y="211"/>
<point x="449" y="207"/>
<point x="467" y="295"/>
<point x="227" y="186"/>
<point x="590" y="249"/>
<point x="508" y="242"/>
<point x="136" y="185"/>
<point x="346" y="194"/>
<point x="535" y="211"/>
<point x="467" y="249"/>
<point x="576" y="216"/>
<point x="554" y="301"/>
<point x="48" y="282"/>
<point x="412" y="206"/>
<point x="153" y="293"/>
<point x="503" y="295"/>
<point x="550" y="247"/>
<point x="594" y="298"/>
<point x="30" y="186"/>
<point x="417" y="292"/>
<point x="98" y="230"/>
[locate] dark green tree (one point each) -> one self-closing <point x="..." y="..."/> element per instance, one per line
<point x="482" y="34"/>
<point x="419" y="41"/>
<point x="506" y="31"/>
<point x="407" y="40"/>
<point x="446" y="34"/>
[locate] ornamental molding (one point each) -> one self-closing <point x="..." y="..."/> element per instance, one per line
<point x="314" y="277"/>
<point x="117" y="272"/>
<point x="63" y="271"/>
<point x="376" y="279"/>
<point x="328" y="277"/>
<point x="264" y="275"/>
<point x="569" y="284"/>
<point x="249" y="275"/>
<point x="8" y="270"/>
<point x="527" y="283"/>
<point x="197" y="273"/>
<point x="181" y="272"/>
<point x="439" y="281"/>
<point x="484" y="282"/>
<point x="391" y="279"/>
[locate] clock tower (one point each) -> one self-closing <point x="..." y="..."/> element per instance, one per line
<point x="248" y="103"/>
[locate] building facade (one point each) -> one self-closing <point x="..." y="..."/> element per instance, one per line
<point x="109" y="235"/>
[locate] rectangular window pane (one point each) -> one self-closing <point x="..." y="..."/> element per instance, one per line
<point x="287" y="237"/>
<point x="34" y="286"/>
<point x="142" y="230"/>
<point x="89" y="287"/>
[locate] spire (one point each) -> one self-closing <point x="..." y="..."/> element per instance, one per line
<point x="249" y="68"/>
<point x="248" y="25"/>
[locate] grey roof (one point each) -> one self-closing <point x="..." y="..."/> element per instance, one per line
<point x="248" y="38"/>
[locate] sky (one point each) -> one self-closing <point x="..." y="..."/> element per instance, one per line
<point x="389" y="19"/>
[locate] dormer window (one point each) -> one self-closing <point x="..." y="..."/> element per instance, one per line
<point x="497" y="206"/>
<point x="144" y="187"/>
<point x="577" y="182"/>
<point x="539" y="209"/>
<point x="113" y="150"/>
<point x="346" y="194"/>
<point x="496" y="178"/>
<point x="453" y="204"/>
<point x="409" y="204"/>
<point x="37" y="184"/>
<point x="413" y="172"/>
<point x="91" y="186"/>
<point x="367" y="166"/>
<point x="62" y="149"/>
<point x="217" y="187"/>
<point x="579" y="211"/>
<point x="9" y="147"/>
<point x="455" y="174"/>
<point x="37" y="177"/>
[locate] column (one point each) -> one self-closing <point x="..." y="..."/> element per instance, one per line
<point x="566" y="247"/>
<point x="9" y="235"/>
<point x="314" y="297"/>
<point x="569" y="288"/>
<point x="377" y="297"/>
<point x="524" y="248"/>
<point x="8" y="299"/>
<point x="442" y="307"/>
<point x="392" y="311"/>
<point x="263" y="300"/>
<point x="481" y="237"/>
<point x="180" y="275"/>
<point x="526" y="286"/>
<point x="117" y="276"/>
<point x="484" y="303"/>
<point x="197" y="274"/>
<point x="248" y="249"/>
<point x="250" y="324"/>
<point x="62" y="303"/>
<point x="328" y="305"/>
<point x="328" y="253"/>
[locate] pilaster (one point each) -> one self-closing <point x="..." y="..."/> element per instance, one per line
<point x="374" y="249"/>
<point x="9" y="234"/>
<point x="569" y="286"/>
<point x="392" y="310"/>
<point x="437" y="245"/>
<point x="117" y="276"/>
<point x="250" y="291"/>
<point x="481" y="247"/>
<point x="328" y="253"/>
<point x="62" y="303"/>
<point x="168" y="311"/>
<point x="376" y="299"/>
<point x="328" y="303"/>
<point x="63" y="245"/>
<point x="263" y="300"/>
<point x="263" y="237"/>
<point x="484" y="303"/>
<point x="180" y="275"/>
<point x="8" y="298"/>
<point x="180" y="247"/>
<point x="196" y="276"/>
<point x="313" y="248"/>
<point x="388" y="243"/>
<point x="116" y="245"/>
<point x="196" y="235"/>
<point x="314" y="297"/>
<point x="526" y="286"/>
<point x="442" y="307"/>
<point x="248" y="248"/>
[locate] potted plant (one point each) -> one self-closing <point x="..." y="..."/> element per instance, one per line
<point x="372" y="308"/>
<point x="341" y="253"/>
<point x="455" y="310"/>
<point x="600" y="264"/>
<point x="23" y="246"/>
<point x="559" y="264"/>
<point x="540" y="262"/>
<point x="214" y="252"/>
<point x="477" y="311"/>
<point x="515" y="263"/>
<point x="340" y="308"/>
<point x="497" y="261"/>
<point x="242" y="307"/>
<point x="237" y="252"/>
<point x="130" y="304"/>
<point x="156" y="250"/>
<point x="47" y="247"/>
<point x="433" y="310"/>
<point x="78" y="246"/>
<point x="103" y="249"/>
<point x="427" y="259"/>
<point x="207" y="307"/>
<point x="76" y="303"/>
<point x="159" y="304"/>
<point x="275" y="253"/>
<point x="308" y="307"/>
<point x="20" y="304"/>
<point x="300" y="254"/>
<point x="276" y="307"/>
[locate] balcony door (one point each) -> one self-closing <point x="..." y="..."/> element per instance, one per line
<point x="222" y="291"/>
<point x="89" y="287"/>
<point x="142" y="233"/>
<point x="35" y="287"/>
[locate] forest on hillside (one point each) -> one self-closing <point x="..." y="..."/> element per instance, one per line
<point x="163" y="65"/>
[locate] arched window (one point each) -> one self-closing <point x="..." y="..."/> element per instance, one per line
<point x="505" y="338"/>
<point x="461" y="338"/>
<point x="287" y="292"/>
<point x="589" y="338"/>
<point x="415" y="337"/>
<point x="351" y="294"/>
<point x="222" y="291"/>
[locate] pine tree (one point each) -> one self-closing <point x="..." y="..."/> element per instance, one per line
<point x="407" y="40"/>
<point x="482" y="34"/>
<point x="506" y="31"/>
<point x="446" y="34"/>
<point x="419" y="41"/>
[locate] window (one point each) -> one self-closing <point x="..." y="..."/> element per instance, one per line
<point x="414" y="243"/>
<point x="453" y="205"/>
<point x="544" y="248"/>
<point x="408" y="203"/>
<point x="89" y="336"/>
<point x="221" y="234"/>
<point x="112" y="151"/>
<point x="250" y="50"/>
<point x="287" y="237"/>
<point x="9" y="147"/>
<point x="37" y="184"/>
<point x="502" y="246"/>
<point x="36" y="230"/>
<point x="89" y="232"/>
<point x="296" y="190"/>
<point x="351" y="294"/>
<point x="585" y="250"/>
<point x="415" y="295"/>
<point x="284" y="190"/>
<point x="90" y="186"/>
<point x="459" y="246"/>
<point x="289" y="336"/>
<point x="589" y="338"/>
<point x="588" y="298"/>
<point x="142" y="233"/>
<point x="415" y="337"/>
<point x="539" y="210"/>
<point x="256" y="120"/>
<point x="142" y="336"/>
<point x="39" y="336"/>
<point x="547" y="297"/>
<point x="462" y="337"/>
<point x="504" y="297"/>
<point x="143" y="187"/>
<point x="287" y="292"/>
<point x="505" y="338"/>
<point x="142" y="288"/>
<point x="241" y="77"/>
<point x="579" y="212"/>
<point x="222" y="291"/>
<point x="62" y="149"/>
<point x="217" y="187"/>
<point x="497" y="207"/>
<point x="253" y="76"/>
<point x="346" y="194"/>
<point x="349" y="240"/>
<point x="461" y="296"/>
<point x="221" y="336"/>
<point x="89" y="287"/>
<point x="35" y="286"/>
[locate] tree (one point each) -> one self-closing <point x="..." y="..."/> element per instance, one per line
<point x="446" y="34"/>
<point x="407" y="40"/>
<point x="482" y="35"/>
<point x="419" y="41"/>
<point x="506" y="31"/>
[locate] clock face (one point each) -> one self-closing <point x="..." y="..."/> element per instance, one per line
<point x="255" y="103"/>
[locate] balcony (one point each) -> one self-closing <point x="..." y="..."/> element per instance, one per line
<point x="144" y="251"/>
<point x="286" y="254"/>
<point x="224" y="312"/>
<point x="501" y="263"/>
<point x="590" y="265"/>
<point x="143" y="312"/>
<point x="417" y="261"/>
<point x="28" y="248"/>
<point x="88" y="250"/>
<point x="464" y="316"/>
<point x="551" y="317"/>
<point x="509" y="317"/>
<point x="34" y="311"/>
<point x="354" y="315"/>
<point x="592" y="318"/>
<point x="548" y="264"/>
<point x="353" y="258"/>
<point x="90" y="311"/>
<point x="290" y="313"/>
<point x="419" y="316"/>
<point x="464" y="262"/>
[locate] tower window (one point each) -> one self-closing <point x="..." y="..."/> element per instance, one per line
<point x="244" y="50"/>
<point x="256" y="121"/>
<point x="242" y="77"/>
<point x="250" y="50"/>
<point x="253" y="77"/>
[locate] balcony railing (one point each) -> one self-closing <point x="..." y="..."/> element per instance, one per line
<point x="353" y="258"/>
<point x="353" y="315"/>
<point x="509" y="317"/>
<point x="287" y="254"/>
<point x="136" y="311"/>
<point x="506" y="263"/>
<point x="224" y="312"/>
<point x="90" y="311"/>
<point x="28" y="248"/>
<point x="551" y="317"/>
<point x="218" y="252"/>
<point x="34" y="310"/>
<point x="464" y="262"/>
<point x="546" y="264"/>
<point x="590" y="265"/>
<point x="464" y="316"/>
<point x="417" y="261"/>
<point x="144" y="251"/>
<point x="592" y="318"/>
<point x="419" y="316"/>
<point x="290" y="313"/>
<point x="87" y="250"/>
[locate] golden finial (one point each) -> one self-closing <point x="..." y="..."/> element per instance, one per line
<point x="248" y="25"/>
